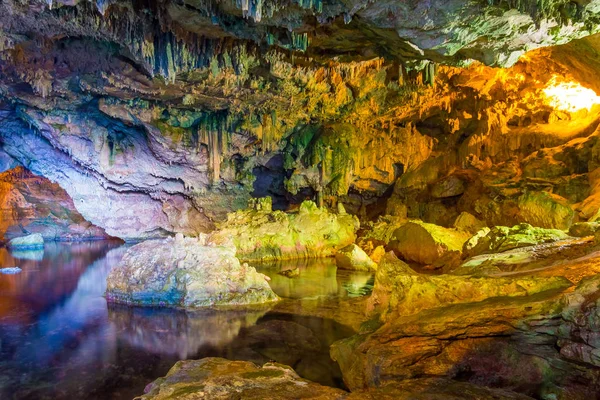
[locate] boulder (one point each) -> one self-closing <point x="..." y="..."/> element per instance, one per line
<point x="10" y="271"/>
<point x="185" y="273"/>
<point x="502" y="238"/>
<point x="545" y="210"/>
<point x="448" y="187"/>
<point x="583" y="229"/>
<point x="399" y="290"/>
<point x="466" y="222"/>
<point x="354" y="258"/>
<point x="377" y="253"/>
<point x="312" y="232"/>
<point x="34" y="241"/>
<point x="218" y="378"/>
<point x="426" y="243"/>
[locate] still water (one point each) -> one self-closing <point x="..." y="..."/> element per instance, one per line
<point x="60" y="340"/>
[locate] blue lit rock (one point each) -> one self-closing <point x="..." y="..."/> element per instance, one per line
<point x="29" y="242"/>
<point x="10" y="271"/>
<point x="183" y="272"/>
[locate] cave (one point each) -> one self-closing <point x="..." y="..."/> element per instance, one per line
<point x="299" y="199"/>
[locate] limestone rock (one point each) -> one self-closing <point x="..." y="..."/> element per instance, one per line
<point x="377" y="254"/>
<point x="545" y="210"/>
<point x="185" y="273"/>
<point x="36" y="204"/>
<point x="427" y="243"/>
<point x="448" y="187"/>
<point x="468" y="223"/>
<point x="529" y="258"/>
<point x="582" y="229"/>
<point x="354" y="258"/>
<point x="503" y="343"/>
<point x="399" y="290"/>
<point x="10" y="271"/>
<point x="579" y="332"/>
<point x="221" y="379"/>
<point x="503" y="238"/>
<point x="312" y="232"/>
<point x="435" y="389"/>
<point x="34" y="241"/>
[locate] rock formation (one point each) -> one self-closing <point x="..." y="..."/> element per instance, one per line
<point x="31" y="204"/>
<point x="460" y="137"/>
<point x="219" y="103"/>
<point x="183" y="272"/>
<point x="262" y="234"/>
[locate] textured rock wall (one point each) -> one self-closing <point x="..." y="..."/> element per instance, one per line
<point x="161" y="117"/>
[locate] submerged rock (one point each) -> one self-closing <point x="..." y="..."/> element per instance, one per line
<point x="34" y="241"/>
<point x="185" y="273"/>
<point x="311" y="232"/>
<point x="218" y="378"/>
<point x="503" y="238"/>
<point x="427" y="243"/>
<point x="354" y="258"/>
<point x="10" y="271"/>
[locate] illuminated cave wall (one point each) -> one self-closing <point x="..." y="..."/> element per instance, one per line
<point x="163" y="121"/>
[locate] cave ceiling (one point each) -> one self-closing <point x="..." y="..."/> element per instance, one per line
<point x="185" y="109"/>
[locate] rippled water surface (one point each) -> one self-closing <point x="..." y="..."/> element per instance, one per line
<point x="60" y="340"/>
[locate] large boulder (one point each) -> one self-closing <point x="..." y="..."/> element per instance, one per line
<point x="426" y="243"/>
<point x="468" y="223"/>
<point x="354" y="258"/>
<point x="312" y="232"/>
<point x="502" y="238"/>
<point x="29" y="242"/>
<point x="545" y="210"/>
<point x="218" y="378"/>
<point x="221" y="379"/>
<point x="183" y="272"/>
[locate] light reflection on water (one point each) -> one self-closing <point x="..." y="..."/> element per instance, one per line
<point x="60" y="340"/>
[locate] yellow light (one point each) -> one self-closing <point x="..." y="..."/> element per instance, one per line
<point x="569" y="96"/>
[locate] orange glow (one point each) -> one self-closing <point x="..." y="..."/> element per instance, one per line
<point x="569" y="96"/>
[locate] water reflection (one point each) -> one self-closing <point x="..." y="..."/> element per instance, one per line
<point x="60" y="340"/>
<point x="315" y="278"/>
<point x="179" y="333"/>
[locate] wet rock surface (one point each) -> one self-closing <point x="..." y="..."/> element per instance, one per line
<point x="29" y="242"/>
<point x="184" y="272"/>
<point x="427" y="243"/>
<point x="33" y="205"/>
<point x="311" y="232"/>
<point x="354" y="258"/>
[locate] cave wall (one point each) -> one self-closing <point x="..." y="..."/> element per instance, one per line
<point x="161" y="117"/>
